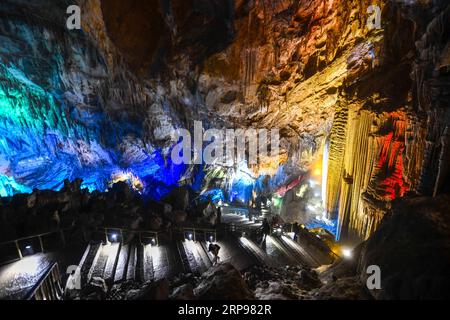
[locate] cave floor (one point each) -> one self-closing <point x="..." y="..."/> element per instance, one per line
<point x="276" y="250"/>
<point x="122" y="262"/>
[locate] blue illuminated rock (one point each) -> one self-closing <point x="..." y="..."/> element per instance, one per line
<point x="66" y="113"/>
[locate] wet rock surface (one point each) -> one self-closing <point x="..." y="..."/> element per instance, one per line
<point x="343" y="289"/>
<point x="290" y="283"/>
<point x="223" y="282"/>
<point x="131" y="290"/>
<point x="184" y="292"/>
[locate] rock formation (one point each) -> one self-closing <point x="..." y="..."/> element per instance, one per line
<point x="103" y="104"/>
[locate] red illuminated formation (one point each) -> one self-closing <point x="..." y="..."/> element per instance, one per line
<point x="282" y="191"/>
<point x="390" y="164"/>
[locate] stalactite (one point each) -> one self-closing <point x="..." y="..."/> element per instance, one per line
<point x="387" y="182"/>
<point x="335" y="160"/>
<point x="355" y="166"/>
<point x="413" y="160"/>
<point x="365" y="170"/>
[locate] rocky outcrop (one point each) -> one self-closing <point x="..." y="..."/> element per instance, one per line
<point x="217" y="282"/>
<point x="290" y="283"/>
<point x="343" y="289"/>
<point x="81" y="213"/>
<point x="411" y="248"/>
<point x="130" y="290"/>
<point x="184" y="292"/>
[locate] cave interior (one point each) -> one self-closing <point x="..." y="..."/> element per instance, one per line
<point x="234" y="149"/>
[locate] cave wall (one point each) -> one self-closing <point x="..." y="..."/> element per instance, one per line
<point x="71" y="108"/>
<point x="431" y="90"/>
<point x="386" y="141"/>
<point x="286" y="65"/>
<point x="108" y="98"/>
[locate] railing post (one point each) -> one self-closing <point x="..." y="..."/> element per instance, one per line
<point x="42" y="245"/>
<point x="18" y="250"/>
<point x="57" y="278"/>
<point x="194" y="231"/>
<point x="121" y="236"/>
<point x="106" y="235"/>
<point x="157" y="239"/>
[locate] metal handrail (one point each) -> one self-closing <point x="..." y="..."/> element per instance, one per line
<point x="32" y="237"/>
<point x="41" y="281"/>
<point x="38" y="236"/>
<point x="200" y="230"/>
<point x="234" y="227"/>
<point x="156" y="234"/>
<point x="129" y="230"/>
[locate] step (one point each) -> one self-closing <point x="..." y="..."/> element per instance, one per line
<point x="186" y="268"/>
<point x="89" y="258"/>
<point x="253" y="249"/>
<point x="100" y="264"/>
<point x="173" y="264"/>
<point x="206" y="256"/>
<point x="315" y="260"/>
<point x="139" y="263"/>
<point x="111" y="263"/>
<point x="232" y="251"/>
<point x="193" y="260"/>
<point x="131" y="265"/>
<point x="148" y="272"/>
<point x="288" y="257"/>
<point x="121" y="269"/>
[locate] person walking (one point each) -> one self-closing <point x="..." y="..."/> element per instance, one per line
<point x="265" y="228"/>
<point x="214" y="249"/>
<point x="295" y="230"/>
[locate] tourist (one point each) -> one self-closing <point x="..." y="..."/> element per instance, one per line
<point x="265" y="229"/>
<point x="214" y="249"/>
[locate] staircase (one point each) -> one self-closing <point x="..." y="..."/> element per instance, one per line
<point x="116" y="262"/>
<point x="111" y="262"/>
